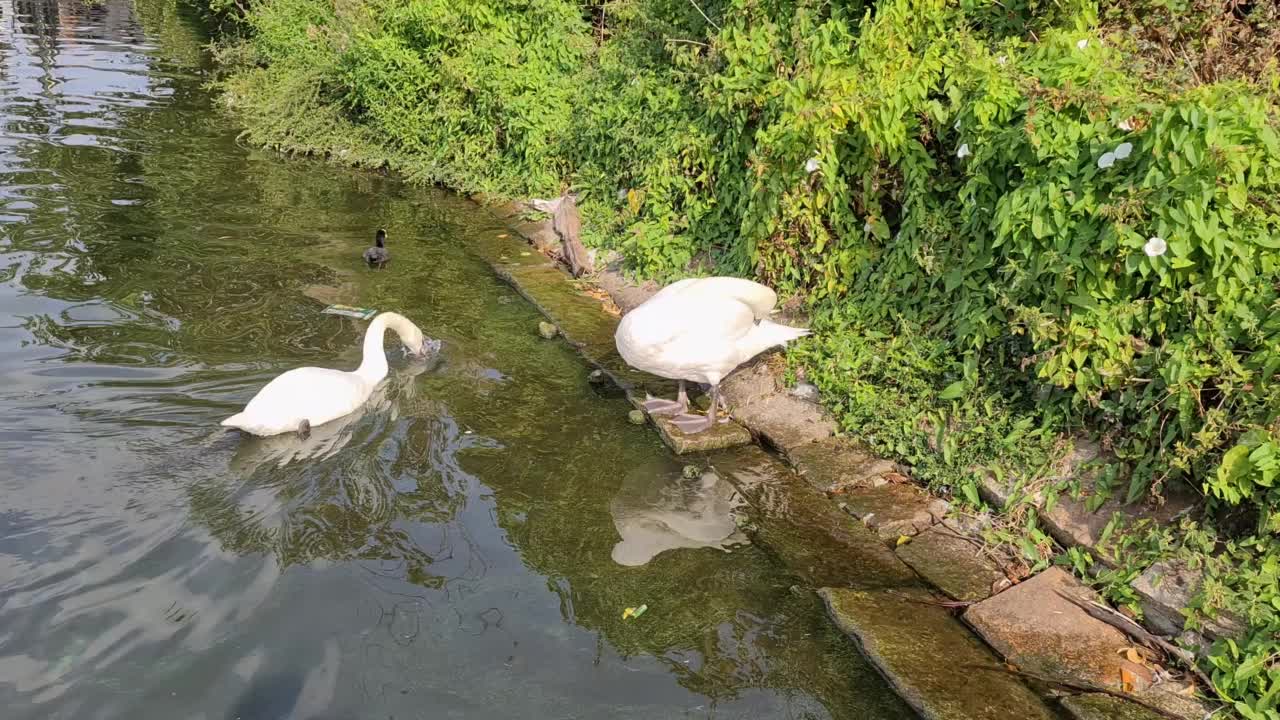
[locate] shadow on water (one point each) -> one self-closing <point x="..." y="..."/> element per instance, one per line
<point x="450" y="551"/>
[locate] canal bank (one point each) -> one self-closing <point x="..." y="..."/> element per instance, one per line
<point x="893" y="565"/>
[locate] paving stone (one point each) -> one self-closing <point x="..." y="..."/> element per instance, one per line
<point x="785" y="422"/>
<point x="1167" y="587"/>
<point x="837" y="463"/>
<point x="1099" y="706"/>
<point x="952" y="563"/>
<point x="1069" y="521"/>
<point x="893" y="510"/>
<point x="936" y="665"/>
<point x="1035" y="628"/>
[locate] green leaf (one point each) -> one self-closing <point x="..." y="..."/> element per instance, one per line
<point x="1238" y="195"/>
<point x="953" y="391"/>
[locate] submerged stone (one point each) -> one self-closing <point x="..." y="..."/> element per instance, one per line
<point x="547" y="330"/>
<point x="820" y="543"/>
<point x="893" y="510"/>
<point x="936" y="665"/>
<point x="1098" y="706"/>
<point x="952" y="563"/>
<point x="719" y="437"/>
<point x="636" y="417"/>
<point x="836" y="463"/>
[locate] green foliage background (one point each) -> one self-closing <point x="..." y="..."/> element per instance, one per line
<point x="930" y="176"/>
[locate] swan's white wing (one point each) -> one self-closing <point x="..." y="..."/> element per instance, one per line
<point x="697" y="344"/>
<point x="758" y="297"/>
<point x="316" y="395"/>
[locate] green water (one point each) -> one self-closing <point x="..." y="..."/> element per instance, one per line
<point x="446" y="553"/>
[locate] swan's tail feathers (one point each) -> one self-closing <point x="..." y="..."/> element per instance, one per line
<point x="235" y="421"/>
<point x="777" y="334"/>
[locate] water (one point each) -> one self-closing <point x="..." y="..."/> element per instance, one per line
<point x="447" y="553"/>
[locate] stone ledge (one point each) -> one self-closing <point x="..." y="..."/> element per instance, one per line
<point x="836" y="463"/>
<point x="1038" y="630"/>
<point x="1069" y="521"/>
<point x="1166" y="587"/>
<point x="893" y="510"/>
<point x="952" y="563"/>
<point x="1099" y="706"/>
<point x="785" y="422"/>
<point x="810" y="535"/>
<point x="929" y="658"/>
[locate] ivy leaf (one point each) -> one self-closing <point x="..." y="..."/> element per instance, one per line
<point x="953" y="391"/>
<point x="1238" y="195"/>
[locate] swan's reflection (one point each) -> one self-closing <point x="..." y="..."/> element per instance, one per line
<point x="659" y="511"/>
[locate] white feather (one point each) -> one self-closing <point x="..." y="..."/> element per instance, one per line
<point x="320" y="395"/>
<point x="701" y="329"/>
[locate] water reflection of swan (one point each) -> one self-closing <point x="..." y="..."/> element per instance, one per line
<point x="654" y="513"/>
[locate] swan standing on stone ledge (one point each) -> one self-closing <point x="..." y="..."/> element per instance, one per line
<point x="700" y="329"/>
<point x="303" y="397"/>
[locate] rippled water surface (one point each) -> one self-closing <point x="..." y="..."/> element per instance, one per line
<point x="462" y="548"/>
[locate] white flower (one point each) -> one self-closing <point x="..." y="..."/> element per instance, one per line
<point x="1106" y="161"/>
<point x="963" y="152"/>
<point x="957" y="125"/>
<point x="1084" y="43"/>
<point x="1155" y="247"/>
<point x="866" y="226"/>
<point x="1125" y="125"/>
<point x="1123" y="150"/>
<point x="811" y="165"/>
<point x="1002" y="59"/>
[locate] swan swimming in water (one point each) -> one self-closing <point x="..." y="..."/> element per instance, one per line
<point x="700" y="329"/>
<point x="303" y="397"/>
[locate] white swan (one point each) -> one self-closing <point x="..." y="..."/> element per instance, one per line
<point x="303" y="397"/>
<point x="700" y="329"/>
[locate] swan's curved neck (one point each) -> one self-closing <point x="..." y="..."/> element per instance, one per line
<point x="373" y="364"/>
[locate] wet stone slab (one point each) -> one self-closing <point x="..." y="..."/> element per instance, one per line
<point x="1098" y="706"/>
<point x="934" y="663"/>
<point x="785" y="422"/>
<point x="952" y="562"/>
<point x="893" y="511"/>
<point x="720" y="437"/>
<point x="821" y="544"/>
<point x="836" y="463"/>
